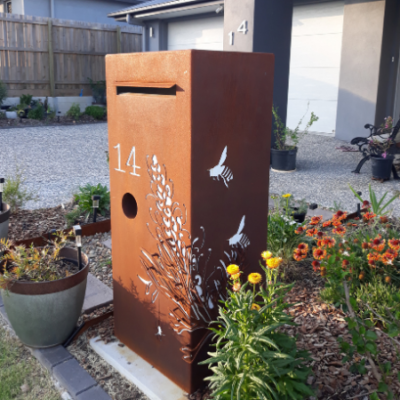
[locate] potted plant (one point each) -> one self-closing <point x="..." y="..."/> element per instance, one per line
<point x="299" y="210"/>
<point x="43" y="290"/>
<point x="284" y="150"/>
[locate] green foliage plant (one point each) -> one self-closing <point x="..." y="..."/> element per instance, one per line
<point x="282" y="239"/>
<point x="286" y="138"/>
<point x="37" y="113"/>
<point x="96" y="112"/>
<point x="378" y="206"/>
<point x="25" y="100"/>
<point x="72" y="216"/>
<point x="84" y="198"/>
<point x="3" y="92"/>
<point x="74" y="112"/>
<point x="253" y="358"/>
<point x="14" y="192"/>
<point x="98" y="90"/>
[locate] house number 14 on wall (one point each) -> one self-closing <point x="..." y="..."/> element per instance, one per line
<point x="242" y="29"/>
<point x="132" y="156"/>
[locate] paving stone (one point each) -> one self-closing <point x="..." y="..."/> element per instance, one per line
<point x="73" y="377"/>
<point x="52" y="356"/>
<point x="97" y="294"/>
<point x="95" y="393"/>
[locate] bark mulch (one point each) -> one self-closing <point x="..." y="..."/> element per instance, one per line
<point x="27" y="224"/>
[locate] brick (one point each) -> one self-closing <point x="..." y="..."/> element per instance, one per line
<point x="95" y="393"/>
<point x="52" y="356"/>
<point x="73" y="377"/>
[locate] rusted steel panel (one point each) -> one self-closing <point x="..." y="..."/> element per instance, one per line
<point x="189" y="175"/>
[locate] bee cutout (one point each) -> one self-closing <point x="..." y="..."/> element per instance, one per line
<point x="240" y="239"/>
<point x="222" y="171"/>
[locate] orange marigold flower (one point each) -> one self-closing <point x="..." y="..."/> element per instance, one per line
<point x="384" y="219"/>
<point x="328" y="241"/>
<point x="365" y="245"/>
<point x="388" y="279"/>
<point x="319" y="254"/>
<point x="369" y="215"/>
<point x="374" y="257"/>
<point x="387" y="259"/>
<point x="345" y="264"/>
<point x="298" y="255"/>
<point x="316" y="220"/>
<point x="320" y="235"/>
<point x="394" y="244"/>
<point x="326" y="224"/>
<point x="366" y="204"/>
<point x="337" y="223"/>
<point x="378" y="243"/>
<point x="303" y="247"/>
<point x="340" y="230"/>
<point x="372" y="263"/>
<point x="339" y="215"/>
<point x="361" y="276"/>
<point x="312" y="232"/>
<point x="316" y="265"/>
<point x="323" y="271"/>
<point x="299" y="230"/>
<point x="391" y="253"/>
<point x="355" y="240"/>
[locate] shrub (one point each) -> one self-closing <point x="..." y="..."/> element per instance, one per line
<point x="3" y="92"/>
<point x="25" y="100"/>
<point x="14" y="194"/>
<point x="85" y="202"/>
<point x="96" y="112"/>
<point x="74" y="112"/>
<point x="73" y="216"/>
<point x="254" y="359"/>
<point x="98" y="91"/>
<point x="37" y="112"/>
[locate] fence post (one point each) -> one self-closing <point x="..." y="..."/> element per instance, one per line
<point x="51" y="61"/>
<point x="119" y="39"/>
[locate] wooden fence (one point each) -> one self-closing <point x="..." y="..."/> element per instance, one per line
<point x="53" y="57"/>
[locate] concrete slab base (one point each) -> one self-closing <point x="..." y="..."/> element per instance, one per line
<point x="97" y="294"/>
<point x="151" y="382"/>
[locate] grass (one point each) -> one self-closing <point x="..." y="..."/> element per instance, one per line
<point x="21" y="376"/>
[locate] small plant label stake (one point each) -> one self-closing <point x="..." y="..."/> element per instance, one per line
<point x="221" y="171"/>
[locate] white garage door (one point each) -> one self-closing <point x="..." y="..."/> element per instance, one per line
<point x="315" y="64"/>
<point x="200" y="34"/>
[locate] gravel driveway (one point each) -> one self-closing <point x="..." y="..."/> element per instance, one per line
<point x="56" y="160"/>
<point x="323" y="174"/>
<point x="59" y="159"/>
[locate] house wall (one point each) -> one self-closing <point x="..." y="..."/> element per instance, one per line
<point x="360" y="67"/>
<point x="18" y="7"/>
<point x="76" y="10"/>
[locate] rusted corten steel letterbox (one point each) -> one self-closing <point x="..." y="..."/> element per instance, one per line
<point x="189" y="145"/>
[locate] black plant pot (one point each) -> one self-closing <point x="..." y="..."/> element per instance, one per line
<point x="382" y="167"/>
<point x="298" y="217"/>
<point x="283" y="160"/>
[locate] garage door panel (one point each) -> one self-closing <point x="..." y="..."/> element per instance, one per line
<point x="314" y="83"/>
<point x="318" y="19"/>
<point x="201" y="34"/>
<point x="316" y="51"/>
<point x="315" y="63"/>
<point x="325" y="110"/>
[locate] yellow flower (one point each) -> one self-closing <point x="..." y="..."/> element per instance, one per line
<point x="254" y="278"/>
<point x="274" y="262"/>
<point x="285" y="196"/>
<point x="255" y="307"/>
<point x="233" y="269"/>
<point x="235" y="277"/>
<point x="266" y="255"/>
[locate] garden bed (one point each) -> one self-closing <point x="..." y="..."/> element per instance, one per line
<point x="57" y="121"/>
<point x="28" y="224"/>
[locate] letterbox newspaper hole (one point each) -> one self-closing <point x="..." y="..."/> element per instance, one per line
<point x="129" y="206"/>
<point x="121" y="90"/>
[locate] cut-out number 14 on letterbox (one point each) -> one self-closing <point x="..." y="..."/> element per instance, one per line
<point x="132" y="156"/>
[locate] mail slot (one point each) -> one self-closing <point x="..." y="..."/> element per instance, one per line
<point x="189" y="145"/>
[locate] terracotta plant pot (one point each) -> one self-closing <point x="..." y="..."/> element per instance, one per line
<point x="44" y="314"/>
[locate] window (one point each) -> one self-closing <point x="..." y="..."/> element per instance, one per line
<point x="8" y="7"/>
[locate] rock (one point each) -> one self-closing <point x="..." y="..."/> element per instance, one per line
<point x="24" y="388"/>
